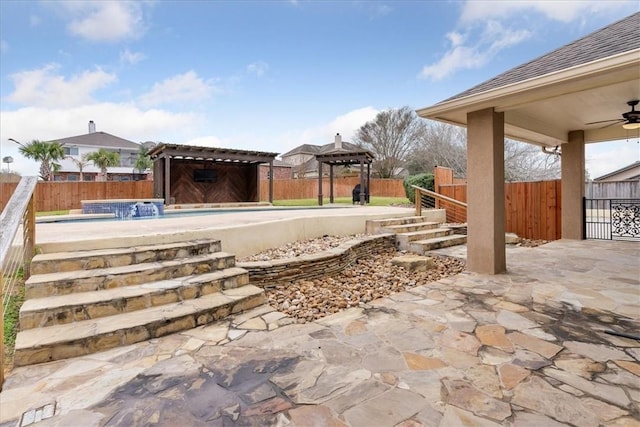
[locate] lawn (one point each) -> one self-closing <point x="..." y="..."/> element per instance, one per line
<point x="374" y="201"/>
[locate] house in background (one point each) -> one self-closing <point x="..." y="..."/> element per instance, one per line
<point x="628" y="173"/>
<point x="303" y="158"/>
<point x="77" y="146"/>
<point x="281" y="170"/>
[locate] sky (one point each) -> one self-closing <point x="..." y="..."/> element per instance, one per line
<point x="264" y="75"/>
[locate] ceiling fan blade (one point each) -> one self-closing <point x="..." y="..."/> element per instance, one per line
<point x="612" y="124"/>
<point x="606" y="121"/>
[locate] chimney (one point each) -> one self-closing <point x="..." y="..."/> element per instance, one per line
<point x="338" y="142"/>
<point x="92" y="127"/>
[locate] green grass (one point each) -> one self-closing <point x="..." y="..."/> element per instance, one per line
<point x="374" y="201"/>
<point x="52" y="213"/>
<point x="11" y="317"/>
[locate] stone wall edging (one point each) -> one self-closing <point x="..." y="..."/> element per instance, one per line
<point x="278" y="271"/>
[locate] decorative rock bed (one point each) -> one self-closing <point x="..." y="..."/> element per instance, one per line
<point x="312" y="286"/>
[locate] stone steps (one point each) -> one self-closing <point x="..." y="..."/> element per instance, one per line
<point x="105" y="258"/>
<point x="67" y="282"/>
<point x="422" y="246"/>
<point x="404" y="240"/>
<point x="374" y="226"/>
<point x="409" y="228"/>
<point x="62" y="309"/>
<point x="88" y="336"/>
<point x="416" y="233"/>
<point x="89" y="301"/>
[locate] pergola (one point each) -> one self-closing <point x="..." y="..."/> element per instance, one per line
<point x="197" y="172"/>
<point x="342" y="157"/>
<point x="550" y="101"/>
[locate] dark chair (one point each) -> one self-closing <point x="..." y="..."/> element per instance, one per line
<point x="355" y="194"/>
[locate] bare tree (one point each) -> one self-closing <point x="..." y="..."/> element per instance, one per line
<point x="390" y="137"/>
<point x="527" y="162"/>
<point x="442" y="145"/>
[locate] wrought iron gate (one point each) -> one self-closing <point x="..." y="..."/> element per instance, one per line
<point x="612" y="219"/>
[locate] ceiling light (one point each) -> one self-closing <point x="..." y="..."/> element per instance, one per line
<point x="631" y="125"/>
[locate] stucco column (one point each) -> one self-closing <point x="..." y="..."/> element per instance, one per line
<point x="572" y="163"/>
<point x="485" y="192"/>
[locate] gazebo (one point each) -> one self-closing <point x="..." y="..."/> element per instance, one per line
<point x="337" y="155"/>
<point x="185" y="174"/>
<point x="577" y="94"/>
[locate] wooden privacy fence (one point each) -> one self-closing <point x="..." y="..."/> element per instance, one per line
<point x="532" y="209"/>
<point x="287" y="189"/>
<point x="53" y="196"/>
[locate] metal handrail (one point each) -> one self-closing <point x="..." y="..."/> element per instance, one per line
<point x="456" y="210"/>
<point x="19" y="210"/>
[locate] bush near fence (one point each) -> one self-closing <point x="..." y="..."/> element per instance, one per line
<point x="54" y="196"/>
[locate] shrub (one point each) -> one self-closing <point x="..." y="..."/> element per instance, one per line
<point x="424" y="180"/>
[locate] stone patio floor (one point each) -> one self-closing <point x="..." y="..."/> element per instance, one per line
<point x="528" y="348"/>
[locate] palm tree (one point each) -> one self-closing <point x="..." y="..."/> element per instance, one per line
<point x="104" y="159"/>
<point x="47" y="153"/>
<point x="143" y="161"/>
<point x="80" y="163"/>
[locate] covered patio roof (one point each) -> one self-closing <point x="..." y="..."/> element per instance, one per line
<point x="588" y="80"/>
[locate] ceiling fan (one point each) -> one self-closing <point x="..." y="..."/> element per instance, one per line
<point x="630" y="120"/>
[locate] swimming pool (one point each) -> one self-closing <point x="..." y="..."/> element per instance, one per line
<point x="176" y="213"/>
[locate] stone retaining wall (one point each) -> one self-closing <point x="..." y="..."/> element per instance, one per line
<point x="268" y="273"/>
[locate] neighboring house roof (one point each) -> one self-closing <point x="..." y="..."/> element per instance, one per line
<point x="575" y="87"/>
<point x="99" y="140"/>
<point x="619" y="37"/>
<point x="303" y="149"/>
<point x="630" y="173"/>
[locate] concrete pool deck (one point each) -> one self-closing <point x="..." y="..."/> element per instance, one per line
<point x="241" y="233"/>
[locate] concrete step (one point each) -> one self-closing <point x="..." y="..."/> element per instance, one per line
<point x="89" y="336"/>
<point x="408" y="228"/>
<point x="375" y="226"/>
<point x="403" y="240"/>
<point x="103" y="258"/>
<point x="62" y="309"/>
<point x="423" y="246"/>
<point x="67" y="282"/>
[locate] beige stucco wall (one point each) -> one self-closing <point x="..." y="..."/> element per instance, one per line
<point x="573" y="174"/>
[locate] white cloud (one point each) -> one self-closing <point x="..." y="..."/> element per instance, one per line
<point x="182" y="87"/>
<point x="606" y="157"/>
<point x="105" y="20"/>
<point x="207" y="141"/>
<point x="4" y="46"/>
<point x="27" y="124"/>
<point x="258" y="68"/>
<point x="485" y="46"/>
<point x="131" y="58"/>
<point x="45" y="88"/>
<point x="557" y="10"/>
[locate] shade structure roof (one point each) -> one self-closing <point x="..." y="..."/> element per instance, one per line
<point x="588" y="80"/>
<point x="227" y="155"/>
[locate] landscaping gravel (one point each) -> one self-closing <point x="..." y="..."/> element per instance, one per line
<point x="365" y="281"/>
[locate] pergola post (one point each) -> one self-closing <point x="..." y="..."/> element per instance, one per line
<point x="330" y="183"/>
<point x="270" y="183"/>
<point x="363" y="189"/>
<point x="573" y="176"/>
<point x="320" y="183"/>
<point x="485" y="198"/>
<point x="167" y="180"/>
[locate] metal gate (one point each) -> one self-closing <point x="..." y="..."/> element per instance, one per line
<point x="612" y="219"/>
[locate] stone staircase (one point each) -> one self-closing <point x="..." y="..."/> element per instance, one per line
<point x="416" y="233"/>
<point x="88" y="301"/>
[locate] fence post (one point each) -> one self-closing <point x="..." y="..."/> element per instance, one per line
<point x="29" y="236"/>
<point x="418" y="199"/>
